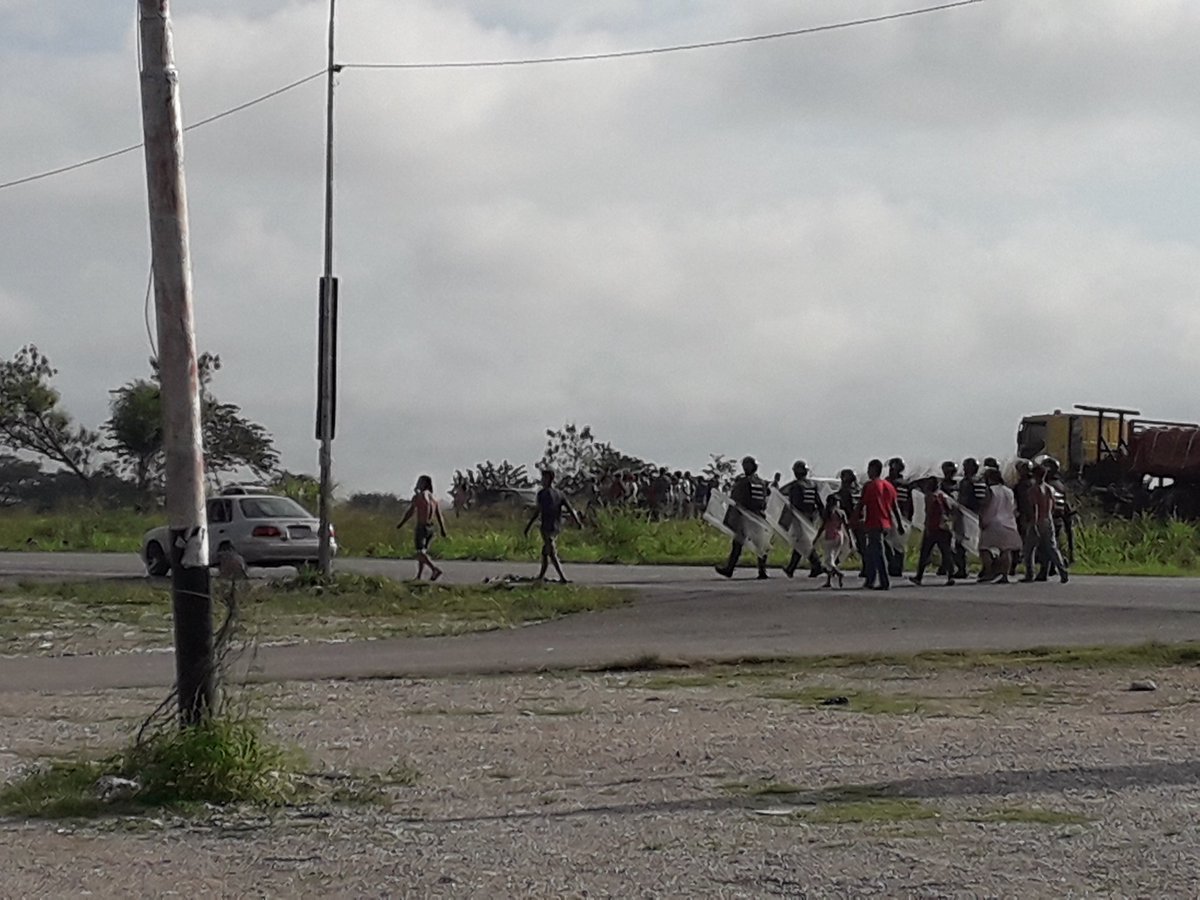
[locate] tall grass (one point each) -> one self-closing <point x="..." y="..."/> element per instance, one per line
<point x="1103" y="546"/>
<point x="82" y="529"/>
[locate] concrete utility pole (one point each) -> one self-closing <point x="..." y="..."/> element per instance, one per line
<point x="191" y="598"/>
<point x="327" y="334"/>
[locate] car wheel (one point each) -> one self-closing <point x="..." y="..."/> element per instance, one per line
<point x="157" y="562"/>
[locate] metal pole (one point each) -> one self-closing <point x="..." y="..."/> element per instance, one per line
<point x="191" y="599"/>
<point x="325" y="351"/>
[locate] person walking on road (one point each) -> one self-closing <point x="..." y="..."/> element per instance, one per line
<point x="999" y="538"/>
<point x="834" y="539"/>
<point x="750" y="493"/>
<point x="1042" y="530"/>
<point x="427" y="511"/>
<point x="551" y="503"/>
<point x="904" y="505"/>
<point x="879" y="514"/>
<point x="848" y="494"/>
<point x="972" y="494"/>
<point x="805" y="498"/>
<point x="938" y="525"/>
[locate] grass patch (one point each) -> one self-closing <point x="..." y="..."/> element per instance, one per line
<point x="1029" y="815"/>
<point x="305" y="607"/>
<point x="711" y="678"/>
<point x="877" y="811"/>
<point x="862" y="701"/>
<point x="1142" y="546"/>
<point x="553" y="711"/>
<point x="221" y="762"/>
<point x="1150" y="654"/>
<point x="848" y="805"/>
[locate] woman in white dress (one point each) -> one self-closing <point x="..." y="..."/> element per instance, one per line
<point x="998" y="534"/>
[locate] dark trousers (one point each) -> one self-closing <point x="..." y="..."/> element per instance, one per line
<point x="894" y="559"/>
<point x="814" y="562"/>
<point x="939" y="538"/>
<point x="873" y="559"/>
<point x="735" y="553"/>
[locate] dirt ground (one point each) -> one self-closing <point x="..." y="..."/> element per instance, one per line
<point x="726" y="782"/>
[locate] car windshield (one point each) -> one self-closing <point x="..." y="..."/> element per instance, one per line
<point x="272" y="508"/>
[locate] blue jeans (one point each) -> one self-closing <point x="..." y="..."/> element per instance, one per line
<point x="876" y="567"/>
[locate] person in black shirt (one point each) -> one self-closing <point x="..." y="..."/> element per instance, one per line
<point x="550" y="506"/>
<point x="895" y="558"/>
<point x="803" y="495"/>
<point x="948" y="485"/>
<point x="972" y="494"/>
<point x="750" y="493"/>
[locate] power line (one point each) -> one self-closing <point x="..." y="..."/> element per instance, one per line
<point x="132" y="147"/>
<point x="676" y="48"/>
<point x="498" y="63"/>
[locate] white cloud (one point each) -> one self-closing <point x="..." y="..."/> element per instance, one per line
<point x="897" y="238"/>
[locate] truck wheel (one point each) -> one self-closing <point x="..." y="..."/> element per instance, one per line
<point x="157" y="562"/>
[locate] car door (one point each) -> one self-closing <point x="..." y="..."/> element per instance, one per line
<point x="220" y="518"/>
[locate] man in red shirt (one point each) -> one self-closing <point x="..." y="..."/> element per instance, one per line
<point x="878" y="512"/>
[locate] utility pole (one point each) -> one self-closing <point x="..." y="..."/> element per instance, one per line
<point x="327" y="334"/>
<point x="191" y="599"/>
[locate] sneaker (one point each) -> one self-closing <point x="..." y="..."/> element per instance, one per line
<point x="789" y="571"/>
<point x="949" y="582"/>
<point x="763" y="576"/>
<point x="1063" y="576"/>
<point x="914" y="579"/>
<point x="721" y="570"/>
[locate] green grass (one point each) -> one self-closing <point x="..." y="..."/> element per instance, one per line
<point x="83" y="529"/>
<point x="1029" y="815"/>
<point x="1142" y="546"/>
<point x="220" y="762"/>
<point x="303" y="607"/>
<point x="676" y="674"/>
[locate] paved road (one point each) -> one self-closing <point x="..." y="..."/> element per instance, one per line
<point x="682" y="613"/>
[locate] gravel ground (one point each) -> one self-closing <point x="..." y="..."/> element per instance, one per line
<point x="720" y="783"/>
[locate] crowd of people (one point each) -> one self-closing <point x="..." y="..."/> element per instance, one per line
<point x="972" y="510"/>
<point x="1009" y="523"/>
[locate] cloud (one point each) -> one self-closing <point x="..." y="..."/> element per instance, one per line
<point x="892" y="239"/>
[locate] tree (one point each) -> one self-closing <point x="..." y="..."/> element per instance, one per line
<point x="135" y="432"/>
<point x="304" y="489"/>
<point x="577" y="457"/>
<point x="720" y="469"/>
<point x="17" y="476"/>
<point x="231" y="441"/>
<point x="32" y="418"/>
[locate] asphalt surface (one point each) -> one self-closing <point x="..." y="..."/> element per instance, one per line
<point x="681" y="613"/>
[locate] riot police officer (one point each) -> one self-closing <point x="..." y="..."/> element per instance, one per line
<point x="750" y="493"/>
<point x="802" y="493"/>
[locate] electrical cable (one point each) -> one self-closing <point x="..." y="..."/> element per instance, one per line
<point x="676" y="48"/>
<point x="498" y="63"/>
<point x="146" y="313"/>
<point x="132" y="147"/>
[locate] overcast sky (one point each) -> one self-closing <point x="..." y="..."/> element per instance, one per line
<point x="897" y="238"/>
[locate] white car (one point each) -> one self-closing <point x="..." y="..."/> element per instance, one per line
<point x="264" y="529"/>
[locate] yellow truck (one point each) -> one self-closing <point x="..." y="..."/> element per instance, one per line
<point x="1078" y="438"/>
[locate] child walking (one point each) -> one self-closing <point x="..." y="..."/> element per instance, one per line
<point x="835" y="538"/>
